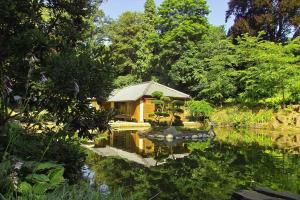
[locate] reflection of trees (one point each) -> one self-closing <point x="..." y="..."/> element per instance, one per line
<point x="211" y="173"/>
<point x="166" y="149"/>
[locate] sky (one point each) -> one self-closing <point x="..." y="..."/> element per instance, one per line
<point x="115" y="8"/>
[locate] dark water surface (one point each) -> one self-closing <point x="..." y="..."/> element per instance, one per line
<point x="235" y="160"/>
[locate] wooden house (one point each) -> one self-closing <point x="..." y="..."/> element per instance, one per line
<point x="135" y="102"/>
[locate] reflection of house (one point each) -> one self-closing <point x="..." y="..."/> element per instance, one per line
<point x="133" y="142"/>
<point x="135" y="102"/>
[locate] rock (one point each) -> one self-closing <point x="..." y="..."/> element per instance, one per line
<point x="195" y="137"/>
<point x="274" y="125"/>
<point x="297" y="122"/>
<point x="297" y="140"/>
<point x="281" y="119"/>
<point x="296" y="108"/>
<point x="171" y="130"/>
<point x="169" y="137"/>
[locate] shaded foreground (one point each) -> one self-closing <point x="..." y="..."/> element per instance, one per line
<point x="208" y="173"/>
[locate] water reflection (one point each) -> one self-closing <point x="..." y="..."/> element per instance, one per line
<point x="239" y="160"/>
<point x="136" y="142"/>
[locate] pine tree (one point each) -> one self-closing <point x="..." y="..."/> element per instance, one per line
<point x="145" y="53"/>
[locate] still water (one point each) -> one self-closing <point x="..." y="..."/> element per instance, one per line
<point x="194" y="169"/>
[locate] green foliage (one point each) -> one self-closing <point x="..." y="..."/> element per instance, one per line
<point x="6" y="184"/>
<point x="201" y="146"/>
<point x="57" y="65"/>
<point x="123" y="81"/>
<point x="206" y="70"/>
<point x="123" y="35"/>
<point x="165" y="107"/>
<point x="199" y="110"/>
<point x="180" y="25"/>
<point x="157" y="94"/>
<point x="84" y="191"/>
<point x="242" y="116"/>
<point x="146" y="37"/>
<point x="161" y="106"/>
<point x="45" y="177"/>
<point x="269" y="67"/>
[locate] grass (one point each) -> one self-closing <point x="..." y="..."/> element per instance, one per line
<point x="67" y="192"/>
<point x="240" y="117"/>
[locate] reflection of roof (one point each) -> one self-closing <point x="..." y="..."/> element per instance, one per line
<point x="134" y="92"/>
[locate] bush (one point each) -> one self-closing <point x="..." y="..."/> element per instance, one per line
<point x="51" y="147"/>
<point x="241" y="117"/>
<point x="199" y="110"/>
<point x="177" y="121"/>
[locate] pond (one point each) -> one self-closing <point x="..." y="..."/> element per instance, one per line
<point x="198" y="169"/>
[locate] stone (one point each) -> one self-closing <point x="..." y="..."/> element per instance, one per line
<point x="296" y="108"/>
<point x="195" y="137"/>
<point x="281" y="119"/>
<point x="297" y="122"/>
<point x="169" y="137"/>
<point x="171" y="130"/>
<point x="274" y="125"/>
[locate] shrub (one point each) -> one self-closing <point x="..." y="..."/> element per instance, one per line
<point x="241" y="117"/>
<point x="199" y="110"/>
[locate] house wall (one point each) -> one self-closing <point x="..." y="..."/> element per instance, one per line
<point x="132" y="109"/>
<point x="149" y="108"/>
<point x="137" y="110"/>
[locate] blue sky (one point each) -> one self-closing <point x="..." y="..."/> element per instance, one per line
<point x="114" y="8"/>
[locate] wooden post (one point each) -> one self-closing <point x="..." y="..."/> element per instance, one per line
<point x="141" y="111"/>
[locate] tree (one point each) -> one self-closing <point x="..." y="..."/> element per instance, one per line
<point x="125" y="43"/>
<point x="270" y="68"/>
<point x="56" y="66"/>
<point x="277" y="18"/>
<point x="161" y="106"/>
<point x="180" y="25"/>
<point x="207" y="70"/>
<point x="199" y="110"/>
<point x="146" y="37"/>
<point x="165" y="107"/>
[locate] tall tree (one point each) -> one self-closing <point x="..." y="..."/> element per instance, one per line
<point x="270" y="69"/>
<point x="277" y="18"/>
<point x="180" y="25"/>
<point x="54" y="68"/>
<point x="146" y="36"/>
<point x="125" y="44"/>
<point x="207" y="71"/>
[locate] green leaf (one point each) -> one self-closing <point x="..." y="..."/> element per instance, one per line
<point x="45" y="166"/>
<point x="41" y="188"/>
<point x="56" y="177"/>
<point x="25" y="188"/>
<point x="38" y="178"/>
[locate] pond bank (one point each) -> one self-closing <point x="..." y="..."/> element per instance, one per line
<point x="257" y="118"/>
